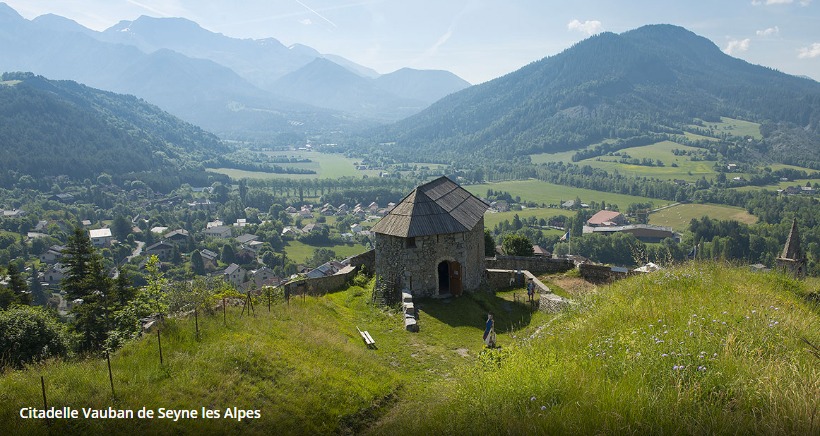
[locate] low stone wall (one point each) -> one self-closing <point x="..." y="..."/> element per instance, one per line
<point x="602" y="273"/>
<point x="534" y="264"/>
<point x="321" y="285"/>
<point x="498" y="279"/>
<point x="366" y="259"/>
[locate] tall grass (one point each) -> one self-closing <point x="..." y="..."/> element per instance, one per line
<point x="700" y="349"/>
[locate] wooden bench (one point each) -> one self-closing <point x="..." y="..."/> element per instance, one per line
<point x="368" y="340"/>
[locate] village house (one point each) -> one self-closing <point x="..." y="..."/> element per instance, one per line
<point x="223" y="232"/>
<point x="235" y="275"/>
<point x="55" y="273"/>
<point x="209" y="258"/>
<point x="163" y="250"/>
<point x="53" y="254"/>
<point x="432" y="242"/>
<point x="261" y="277"/>
<point x="179" y="236"/>
<point x="100" y="237"/>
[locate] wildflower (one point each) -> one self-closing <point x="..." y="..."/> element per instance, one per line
<point x="543" y="407"/>
<point x="664" y="355"/>
<point x="532" y="398"/>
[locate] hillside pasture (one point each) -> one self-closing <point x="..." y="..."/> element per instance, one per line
<point x="541" y="192"/>
<point x="686" y="169"/>
<point x="679" y="216"/>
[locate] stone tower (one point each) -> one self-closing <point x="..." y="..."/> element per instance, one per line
<point x="432" y="243"/>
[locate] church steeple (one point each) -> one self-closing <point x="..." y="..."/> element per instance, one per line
<point x="792" y="260"/>
<point x="792" y="248"/>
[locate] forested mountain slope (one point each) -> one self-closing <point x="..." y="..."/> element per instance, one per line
<point x="655" y="79"/>
<point x="51" y="128"/>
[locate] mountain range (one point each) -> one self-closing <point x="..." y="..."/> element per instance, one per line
<point x="615" y="88"/>
<point x="237" y="88"/>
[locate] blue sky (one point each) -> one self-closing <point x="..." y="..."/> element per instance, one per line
<point x="476" y="39"/>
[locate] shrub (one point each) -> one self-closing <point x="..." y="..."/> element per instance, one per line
<point x="29" y="334"/>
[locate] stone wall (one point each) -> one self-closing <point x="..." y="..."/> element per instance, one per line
<point x="602" y="273"/>
<point x="366" y="259"/>
<point x="500" y="279"/>
<point x="403" y="264"/>
<point x="321" y="285"/>
<point x="534" y="264"/>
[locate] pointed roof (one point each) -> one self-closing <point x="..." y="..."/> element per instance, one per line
<point x="434" y="208"/>
<point x="792" y="248"/>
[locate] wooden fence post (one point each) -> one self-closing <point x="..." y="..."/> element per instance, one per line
<point x="110" y="375"/>
<point x="45" y="402"/>
<point x="159" y="343"/>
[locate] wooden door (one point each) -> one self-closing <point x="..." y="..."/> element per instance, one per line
<point x="455" y="278"/>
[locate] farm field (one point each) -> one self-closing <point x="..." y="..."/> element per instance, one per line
<point x="327" y="166"/>
<point x="549" y="193"/>
<point x="679" y="216"/>
<point x="564" y="156"/>
<point x="299" y="251"/>
<point x="491" y="219"/>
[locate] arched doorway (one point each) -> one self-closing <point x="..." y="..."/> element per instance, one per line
<point x="449" y="278"/>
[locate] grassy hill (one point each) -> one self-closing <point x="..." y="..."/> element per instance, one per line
<point x="697" y="349"/>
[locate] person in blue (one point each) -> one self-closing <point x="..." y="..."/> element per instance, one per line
<point x="489" y="332"/>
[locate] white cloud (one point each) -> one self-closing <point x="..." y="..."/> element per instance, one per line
<point x="771" y="31"/>
<point x="809" y="52"/>
<point x="589" y="27"/>
<point x="306" y="21"/>
<point x="737" y="45"/>
<point x="774" y="2"/>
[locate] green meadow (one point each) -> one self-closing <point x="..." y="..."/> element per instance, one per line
<point x="679" y="216"/>
<point x="299" y="251"/>
<point x="549" y="193"/>
<point x="491" y="219"/>
<point x="697" y="349"/>
<point x="327" y="166"/>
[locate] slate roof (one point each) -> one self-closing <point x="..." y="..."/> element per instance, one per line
<point x="434" y="208"/>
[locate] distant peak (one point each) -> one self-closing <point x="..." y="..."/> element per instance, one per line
<point x="8" y="13"/>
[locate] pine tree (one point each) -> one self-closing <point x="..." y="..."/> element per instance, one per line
<point x="87" y="281"/>
<point x="39" y="296"/>
<point x="17" y="285"/>
<point x="197" y="264"/>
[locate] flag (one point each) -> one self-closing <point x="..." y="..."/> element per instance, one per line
<point x="565" y="237"/>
